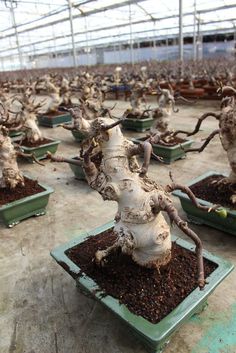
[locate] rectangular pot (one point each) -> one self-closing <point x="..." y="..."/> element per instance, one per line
<point x="35" y="205"/>
<point x="15" y="135"/>
<point x="45" y="120"/>
<point x="169" y="154"/>
<point x="153" y="336"/>
<point x="79" y="136"/>
<point x="40" y="152"/>
<point x="211" y="219"/>
<point x="78" y="171"/>
<point x="139" y="125"/>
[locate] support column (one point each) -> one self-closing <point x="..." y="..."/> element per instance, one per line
<point x="72" y="33"/>
<point x="194" y="32"/>
<point x="16" y="34"/>
<point x="198" y="46"/>
<point x="181" y="42"/>
<point x="87" y="42"/>
<point x="131" y="37"/>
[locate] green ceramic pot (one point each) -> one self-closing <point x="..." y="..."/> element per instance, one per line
<point x="169" y="154"/>
<point x="40" y="152"/>
<point x="139" y="125"/>
<point x="153" y="336"/>
<point x="35" y="205"/>
<point x="79" y="136"/>
<point x="15" y="133"/>
<point x="78" y="171"/>
<point x="54" y="121"/>
<point x="211" y="219"/>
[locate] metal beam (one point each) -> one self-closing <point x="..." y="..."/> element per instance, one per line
<point x="181" y="41"/>
<point x="111" y="27"/>
<point x="194" y="30"/>
<point x="16" y="33"/>
<point x="214" y="31"/>
<point x="87" y="13"/>
<point x="72" y="32"/>
<point x="131" y="37"/>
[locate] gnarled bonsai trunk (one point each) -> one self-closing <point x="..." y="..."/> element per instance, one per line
<point x="226" y="131"/>
<point x="140" y="226"/>
<point x="11" y="175"/>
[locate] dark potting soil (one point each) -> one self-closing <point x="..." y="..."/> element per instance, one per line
<point x="42" y="142"/>
<point x="149" y="293"/>
<point x="207" y="190"/>
<point x="31" y="187"/>
<point x="54" y="114"/>
<point x="172" y="142"/>
<point x="134" y="117"/>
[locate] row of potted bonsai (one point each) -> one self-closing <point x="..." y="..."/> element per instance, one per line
<point x="132" y="218"/>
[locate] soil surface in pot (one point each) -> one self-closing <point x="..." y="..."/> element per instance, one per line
<point x="38" y="143"/>
<point x="135" y="117"/>
<point x="31" y="187"/>
<point x="67" y="106"/>
<point x="208" y="190"/>
<point x="149" y="293"/>
<point x="173" y="141"/>
<point x="54" y="114"/>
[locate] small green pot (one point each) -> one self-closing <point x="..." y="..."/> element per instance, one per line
<point x="153" y="336"/>
<point x="40" y="152"/>
<point x="54" y="121"/>
<point x="139" y="125"/>
<point x="79" y="136"/>
<point x="35" y="205"/>
<point x="78" y="171"/>
<point x="169" y="154"/>
<point x="15" y="135"/>
<point x="211" y="219"/>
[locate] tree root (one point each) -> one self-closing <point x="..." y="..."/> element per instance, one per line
<point x="207" y="141"/>
<point x="168" y="207"/>
<point x="61" y="159"/>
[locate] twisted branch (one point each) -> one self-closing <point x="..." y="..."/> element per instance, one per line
<point x="207" y="141"/>
<point x="198" y="125"/>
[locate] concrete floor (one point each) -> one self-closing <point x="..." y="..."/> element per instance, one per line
<point x="41" y="310"/>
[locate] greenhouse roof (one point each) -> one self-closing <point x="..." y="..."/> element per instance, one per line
<point x="43" y="26"/>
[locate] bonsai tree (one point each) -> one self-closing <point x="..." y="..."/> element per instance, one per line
<point x="142" y="231"/>
<point x="54" y="94"/>
<point x="7" y="149"/>
<point x="65" y="92"/>
<point x="26" y="119"/>
<point x="87" y="110"/>
<point x="161" y="131"/>
<point x="11" y="175"/>
<point x="137" y="100"/>
<point x="226" y="131"/>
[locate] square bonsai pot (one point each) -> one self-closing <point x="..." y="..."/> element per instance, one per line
<point x="79" y="136"/>
<point x="153" y="336"/>
<point x="40" y="152"/>
<point x="168" y="153"/>
<point x="211" y="219"/>
<point x="54" y="120"/>
<point x="35" y="205"/>
<point x="139" y="125"/>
